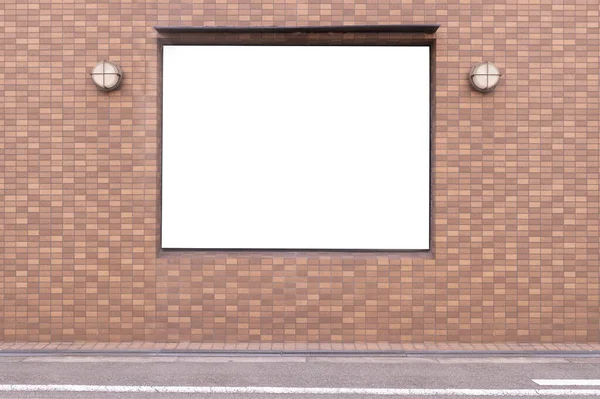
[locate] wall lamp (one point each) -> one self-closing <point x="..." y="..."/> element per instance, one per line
<point x="484" y="77"/>
<point x="107" y="75"/>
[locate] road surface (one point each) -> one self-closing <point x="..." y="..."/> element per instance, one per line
<point x="297" y="377"/>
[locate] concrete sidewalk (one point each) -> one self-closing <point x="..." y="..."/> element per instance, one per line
<point x="301" y="349"/>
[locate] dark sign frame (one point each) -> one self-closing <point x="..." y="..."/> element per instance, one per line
<point x="347" y="35"/>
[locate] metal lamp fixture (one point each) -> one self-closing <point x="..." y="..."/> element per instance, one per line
<point x="107" y="75"/>
<point x="484" y="77"/>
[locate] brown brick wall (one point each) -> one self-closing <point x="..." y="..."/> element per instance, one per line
<point x="515" y="187"/>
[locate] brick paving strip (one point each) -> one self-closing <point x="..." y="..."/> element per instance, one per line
<point x="408" y="349"/>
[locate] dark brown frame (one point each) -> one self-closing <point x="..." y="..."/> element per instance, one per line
<point x="362" y="35"/>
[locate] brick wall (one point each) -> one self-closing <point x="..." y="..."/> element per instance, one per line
<point x="515" y="187"/>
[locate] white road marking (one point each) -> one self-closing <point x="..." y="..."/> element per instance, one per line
<point x="588" y="383"/>
<point x="298" y="390"/>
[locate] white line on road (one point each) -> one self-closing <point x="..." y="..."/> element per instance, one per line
<point x="588" y="383"/>
<point x="298" y="390"/>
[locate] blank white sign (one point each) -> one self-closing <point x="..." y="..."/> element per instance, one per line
<point x="295" y="147"/>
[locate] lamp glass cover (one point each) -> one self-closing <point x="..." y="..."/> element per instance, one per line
<point x="492" y="69"/>
<point x="98" y="69"/>
<point x="110" y="80"/>
<point x="98" y="79"/>
<point x="481" y="81"/>
<point x="109" y="68"/>
<point x="493" y="80"/>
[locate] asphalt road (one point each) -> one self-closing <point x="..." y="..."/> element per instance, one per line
<point x="310" y="377"/>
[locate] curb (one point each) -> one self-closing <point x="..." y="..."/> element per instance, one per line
<point x="303" y="353"/>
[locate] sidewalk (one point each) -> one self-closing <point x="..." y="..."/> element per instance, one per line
<point x="292" y="348"/>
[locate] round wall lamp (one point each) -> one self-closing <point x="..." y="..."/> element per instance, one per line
<point x="107" y="75"/>
<point x="484" y="77"/>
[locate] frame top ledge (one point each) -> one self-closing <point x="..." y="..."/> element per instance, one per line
<point x="401" y="28"/>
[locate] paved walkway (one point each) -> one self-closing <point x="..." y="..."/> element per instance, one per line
<point x="296" y="347"/>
